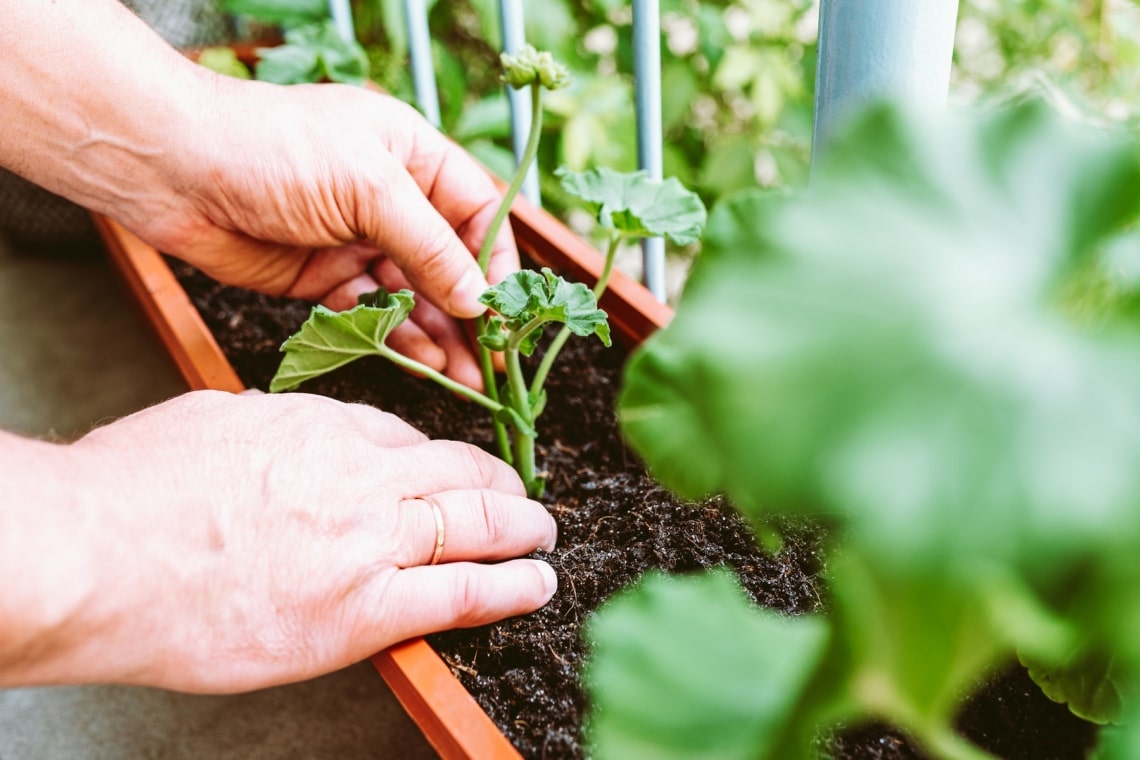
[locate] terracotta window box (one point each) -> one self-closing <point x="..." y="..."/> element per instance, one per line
<point x="451" y="720"/>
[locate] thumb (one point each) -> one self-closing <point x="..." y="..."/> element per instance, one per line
<point x="419" y="241"/>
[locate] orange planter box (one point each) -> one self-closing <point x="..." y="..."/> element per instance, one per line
<point x="451" y="720"/>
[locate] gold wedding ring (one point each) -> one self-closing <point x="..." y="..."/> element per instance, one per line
<point x="439" y="534"/>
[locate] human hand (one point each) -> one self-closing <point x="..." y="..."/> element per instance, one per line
<point x="324" y="193"/>
<point x="245" y="541"/>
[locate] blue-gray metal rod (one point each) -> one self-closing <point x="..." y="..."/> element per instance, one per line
<point x="512" y="24"/>
<point x="647" y="82"/>
<point x="342" y="17"/>
<point x="419" y="50"/>
<point x="877" y="49"/>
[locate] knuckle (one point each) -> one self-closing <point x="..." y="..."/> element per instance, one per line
<point x="435" y="255"/>
<point x="467" y="599"/>
<point x="494" y="520"/>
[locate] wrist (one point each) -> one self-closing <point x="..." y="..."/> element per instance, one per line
<point x="98" y="108"/>
<point x="46" y="522"/>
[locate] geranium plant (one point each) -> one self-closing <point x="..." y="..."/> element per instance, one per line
<point x="934" y="350"/>
<point x="628" y="206"/>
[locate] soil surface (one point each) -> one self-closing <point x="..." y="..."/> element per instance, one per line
<point x="614" y="524"/>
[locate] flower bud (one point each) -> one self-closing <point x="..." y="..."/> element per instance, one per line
<point x="530" y="66"/>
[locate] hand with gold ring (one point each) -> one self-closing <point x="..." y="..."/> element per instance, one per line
<point x="262" y="539"/>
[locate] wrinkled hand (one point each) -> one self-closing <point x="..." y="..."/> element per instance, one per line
<point x="256" y="540"/>
<point x="325" y="191"/>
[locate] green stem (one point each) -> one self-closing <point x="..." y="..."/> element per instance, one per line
<point x="529" y="152"/>
<point x="490" y="384"/>
<point x="524" y="441"/>
<point x="485" y="363"/>
<point x="519" y="335"/>
<point x="559" y="341"/>
<point x="444" y="380"/>
<point x="608" y="268"/>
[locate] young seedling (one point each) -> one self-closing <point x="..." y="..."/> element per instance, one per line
<point x="629" y="206"/>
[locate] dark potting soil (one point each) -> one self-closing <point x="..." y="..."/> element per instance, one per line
<point x="615" y="523"/>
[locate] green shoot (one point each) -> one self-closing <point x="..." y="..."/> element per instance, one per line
<point x="630" y="206"/>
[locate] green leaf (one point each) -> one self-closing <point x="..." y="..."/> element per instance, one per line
<point x="287" y="13"/>
<point x="895" y="351"/>
<point x="898" y="318"/>
<point x="329" y="340"/>
<point x="489" y="117"/>
<point x="527" y="298"/>
<point x="1089" y="680"/>
<point x="728" y="165"/>
<point x="223" y="60"/>
<point x="687" y="668"/>
<point x="311" y="53"/>
<point x="288" y="64"/>
<point x="637" y="205"/>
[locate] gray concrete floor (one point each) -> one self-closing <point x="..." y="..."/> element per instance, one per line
<point x="75" y="354"/>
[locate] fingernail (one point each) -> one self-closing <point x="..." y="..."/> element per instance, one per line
<point x="464" y="298"/>
<point x="549" y="578"/>
<point x="549" y="545"/>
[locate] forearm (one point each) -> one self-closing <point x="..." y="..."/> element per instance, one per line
<point x="96" y="106"/>
<point x="48" y="569"/>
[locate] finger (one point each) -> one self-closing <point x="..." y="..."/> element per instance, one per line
<point x="463" y="191"/>
<point x="464" y="594"/>
<point x="327" y="269"/>
<point x="438" y="466"/>
<point x="476" y="525"/>
<point x="410" y="340"/>
<point x="346" y="295"/>
<point x="421" y="242"/>
<point x="443" y="331"/>
<point x="380" y="427"/>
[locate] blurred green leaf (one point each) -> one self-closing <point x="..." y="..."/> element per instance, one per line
<point x="729" y="166"/>
<point x="287" y="13"/>
<point x="311" y="53"/>
<point x="687" y="668"/>
<point x="679" y="86"/>
<point x="489" y="117"/>
<point x="893" y="349"/>
<point x="288" y="64"/>
<point x="1089" y="680"/>
<point x="900" y="313"/>
<point x="498" y="159"/>
<point x="223" y="60"/>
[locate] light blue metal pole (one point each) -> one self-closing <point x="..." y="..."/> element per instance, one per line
<point x="342" y="17"/>
<point x="647" y="82"/>
<point x="419" y="49"/>
<point x="874" y="49"/>
<point x="513" y="27"/>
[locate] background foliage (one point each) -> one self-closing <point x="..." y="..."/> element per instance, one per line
<point x="738" y="77"/>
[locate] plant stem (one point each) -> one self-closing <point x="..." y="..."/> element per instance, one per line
<point x="488" y="369"/>
<point x="485" y="363"/>
<point x="445" y="381"/>
<point x="559" y="341"/>
<point x="529" y="152"/>
<point x="519" y="335"/>
<point x="608" y="268"/>
<point x="524" y="441"/>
